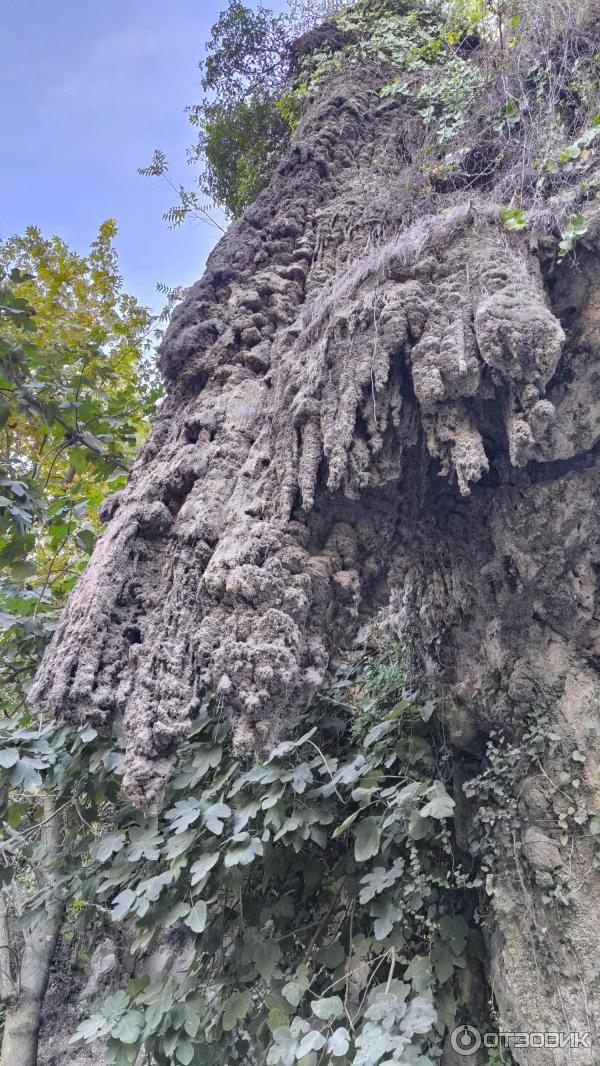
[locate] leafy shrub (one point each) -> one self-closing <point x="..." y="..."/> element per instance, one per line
<point x="241" y="143"/>
<point x="241" y="133"/>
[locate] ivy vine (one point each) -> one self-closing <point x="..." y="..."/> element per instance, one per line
<point x="320" y="889"/>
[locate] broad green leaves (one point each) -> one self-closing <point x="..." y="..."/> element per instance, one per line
<point x="573" y="231"/>
<point x="338" y="1042"/>
<point x="266" y="955"/>
<point x="296" y="882"/>
<point x="196" y="919"/>
<point x="513" y="218"/>
<point x="203" y="866"/>
<point x="440" y="805"/>
<point x="183" y="814"/>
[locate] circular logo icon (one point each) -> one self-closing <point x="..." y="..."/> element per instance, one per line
<point x="465" y="1040"/>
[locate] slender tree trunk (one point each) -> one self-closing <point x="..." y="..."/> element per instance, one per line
<point x="25" y="995"/>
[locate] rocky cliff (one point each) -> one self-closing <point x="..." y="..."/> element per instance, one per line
<point x="374" y="405"/>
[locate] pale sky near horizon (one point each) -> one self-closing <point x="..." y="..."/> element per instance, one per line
<point x="89" y="90"/>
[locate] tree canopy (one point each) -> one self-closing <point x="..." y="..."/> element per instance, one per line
<point x="77" y="387"/>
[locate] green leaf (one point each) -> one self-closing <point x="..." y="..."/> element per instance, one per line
<point x="345" y="825"/>
<point x="243" y="850"/>
<point x="161" y="1004"/>
<point x="144" y="843"/>
<point x="418" y="972"/>
<point x="31" y="917"/>
<point x="379" y="879"/>
<point x="196" y="919"/>
<point x="192" y="1019"/>
<point x="91" y="1029"/>
<point x="180" y="843"/>
<point x="25" y="773"/>
<point x="331" y="955"/>
<point x="109" y="845"/>
<point x="244" y="813"/>
<point x="16" y="813"/>
<point x="313" y="1041"/>
<point x="86" y="539"/>
<point x="327" y="1009"/>
<point x="283" y="1050"/>
<point x="367" y="839"/>
<point x="338" y="1042"/>
<point x="152" y="887"/>
<point x="419" y="1018"/>
<point x="440" y="805"/>
<point x="215" y="816"/>
<point x="203" y="866"/>
<point x="184" y="1052"/>
<point x="454" y="930"/>
<point x="129" y="1027"/>
<point x="123" y="903"/>
<point x="235" y="1008"/>
<point x="294" y="991"/>
<point x="8" y="757"/>
<point x="176" y="913"/>
<point x="266" y="957"/>
<point x="276" y="1019"/>
<point x="183" y="814"/>
<point x="513" y="218"/>
<point x="443" y="964"/>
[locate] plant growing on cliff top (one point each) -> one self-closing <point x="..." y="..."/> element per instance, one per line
<point x="256" y="86"/>
<point x="506" y="96"/>
<point x="240" y="133"/>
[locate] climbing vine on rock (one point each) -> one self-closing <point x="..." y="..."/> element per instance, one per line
<point x="323" y="902"/>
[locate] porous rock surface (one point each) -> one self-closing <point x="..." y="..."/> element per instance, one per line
<point x="366" y="408"/>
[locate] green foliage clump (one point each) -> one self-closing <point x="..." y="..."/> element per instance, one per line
<point x="496" y="791"/>
<point x="255" y="99"/>
<point x="240" y="131"/>
<point x="241" y="143"/>
<point x="506" y="97"/>
<point x="320" y="889"/>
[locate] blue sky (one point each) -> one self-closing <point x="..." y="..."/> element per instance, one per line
<point x="89" y="90"/>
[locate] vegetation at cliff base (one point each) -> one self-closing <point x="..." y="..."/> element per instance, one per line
<point x="323" y="902"/>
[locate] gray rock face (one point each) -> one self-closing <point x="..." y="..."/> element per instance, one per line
<point x="541" y="852"/>
<point x="365" y="408"/>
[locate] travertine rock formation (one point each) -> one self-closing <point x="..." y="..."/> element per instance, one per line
<point x="366" y="407"/>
